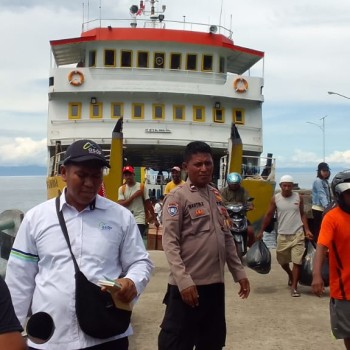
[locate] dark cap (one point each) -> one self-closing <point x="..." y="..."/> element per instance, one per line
<point x="323" y="166"/>
<point x="83" y="151"/>
<point x="128" y="169"/>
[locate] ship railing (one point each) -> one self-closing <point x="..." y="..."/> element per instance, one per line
<point x="159" y="74"/>
<point x="56" y="161"/>
<point x="164" y="24"/>
<point x="252" y="168"/>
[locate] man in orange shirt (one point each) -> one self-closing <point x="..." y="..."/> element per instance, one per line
<point x="335" y="237"/>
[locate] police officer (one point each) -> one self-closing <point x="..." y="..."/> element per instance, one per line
<point x="197" y="243"/>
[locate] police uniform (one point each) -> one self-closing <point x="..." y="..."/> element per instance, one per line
<point x="197" y="243"/>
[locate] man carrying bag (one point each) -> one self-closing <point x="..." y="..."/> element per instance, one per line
<point x="104" y="241"/>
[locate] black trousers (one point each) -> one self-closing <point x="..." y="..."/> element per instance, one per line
<point x="119" y="344"/>
<point x="316" y="224"/>
<point x="202" y="327"/>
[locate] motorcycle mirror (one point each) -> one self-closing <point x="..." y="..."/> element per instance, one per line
<point x="40" y="327"/>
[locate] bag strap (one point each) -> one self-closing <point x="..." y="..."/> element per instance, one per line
<point x="65" y="231"/>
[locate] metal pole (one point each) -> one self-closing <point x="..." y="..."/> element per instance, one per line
<point x="324" y="137"/>
<point x="335" y="93"/>
<point x="323" y="128"/>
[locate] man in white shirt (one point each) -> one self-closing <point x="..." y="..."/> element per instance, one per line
<point x="134" y="196"/>
<point x="105" y="242"/>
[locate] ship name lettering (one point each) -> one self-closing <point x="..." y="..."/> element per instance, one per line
<point x="158" y="131"/>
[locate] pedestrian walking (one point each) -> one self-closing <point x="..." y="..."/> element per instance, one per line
<point x="197" y="243"/>
<point x="321" y="197"/>
<point x="134" y="196"/>
<point x="292" y="229"/>
<point x="104" y="239"/>
<point x="334" y="241"/>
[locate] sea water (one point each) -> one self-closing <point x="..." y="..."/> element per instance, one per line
<point x="24" y="192"/>
<point x="21" y="192"/>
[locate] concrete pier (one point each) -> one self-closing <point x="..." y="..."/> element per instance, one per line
<point x="270" y="319"/>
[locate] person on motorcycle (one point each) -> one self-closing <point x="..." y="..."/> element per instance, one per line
<point x="235" y="193"/>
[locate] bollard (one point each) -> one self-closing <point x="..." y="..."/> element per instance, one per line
<point x="7" y="224"/>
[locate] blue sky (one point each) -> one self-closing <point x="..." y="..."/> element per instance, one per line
<point x="307" y="51"/>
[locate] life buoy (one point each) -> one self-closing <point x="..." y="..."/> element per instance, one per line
<point x="76" y="78"/>
<point x="240" y="85"/>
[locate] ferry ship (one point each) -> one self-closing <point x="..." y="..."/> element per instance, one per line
<point x="170" y="83"/>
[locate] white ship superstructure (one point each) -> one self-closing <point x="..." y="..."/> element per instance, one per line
<point x="171" y="86"/>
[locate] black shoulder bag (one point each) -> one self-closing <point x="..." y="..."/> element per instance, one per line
<point x="97" y="315"/>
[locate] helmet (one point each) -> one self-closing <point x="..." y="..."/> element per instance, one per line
<point x="341" y="183"/>
<point x="286" y="178"/>
<point x="234" y="179"/>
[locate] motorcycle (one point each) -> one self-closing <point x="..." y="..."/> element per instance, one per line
<point x="239" y="224"/>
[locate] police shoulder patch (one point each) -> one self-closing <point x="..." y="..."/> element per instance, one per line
<point x="173" y="209"/>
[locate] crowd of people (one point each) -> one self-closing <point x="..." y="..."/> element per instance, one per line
<point x="106" y="240"/>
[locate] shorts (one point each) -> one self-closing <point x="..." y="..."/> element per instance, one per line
<point x="340" y="318"/>
<point x="290" y="248"/>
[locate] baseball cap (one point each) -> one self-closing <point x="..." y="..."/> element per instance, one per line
<point x="83" y="151"/>
<point x="323" y="166"/>
<point x="176" y="168"/>
<point x="128" y="169"/>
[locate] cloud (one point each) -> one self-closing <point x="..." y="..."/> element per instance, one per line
<point x="339" y="157"/>
<point x="24" y="151"/>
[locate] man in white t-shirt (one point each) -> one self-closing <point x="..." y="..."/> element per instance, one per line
<point x="158" y="208"/>
<point x="134" y="196"/>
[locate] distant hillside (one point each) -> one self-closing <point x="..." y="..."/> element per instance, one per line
<point x="22" y="170"/>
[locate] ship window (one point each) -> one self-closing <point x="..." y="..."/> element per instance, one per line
<point x="92" y="58"/>
<point x="126" y="59"/>
<point x="96" y="110"/>
<point x="158" y="111"/>
<point x="238" y="116"/>
<point x="191" y="63"/>
<point x="207" y="63"/>
<point x="222" y="65"/>
<point x="117" y="110"/>
<point x="159" y="60"/>
<point x="175" y="61"/>
<point x="109" y="58"/>
<point x="74" y="110"/>
<point x="142" y="59"/>
<point x="137" y="111"/>
<point x="198" y="114"/>
<point x="219" y="115"/>
<point x="179" y="112"/>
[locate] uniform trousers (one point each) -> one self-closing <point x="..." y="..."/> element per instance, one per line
<point x="201" y="328"/>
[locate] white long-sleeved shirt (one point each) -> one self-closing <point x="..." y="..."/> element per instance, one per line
<point x="105" y="242"/>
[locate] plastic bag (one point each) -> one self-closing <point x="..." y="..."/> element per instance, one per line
<point x="258" y="257"/>
<point x="308" y="265"/>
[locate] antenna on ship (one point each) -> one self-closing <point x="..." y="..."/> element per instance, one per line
<point x="155" y="16"/>
<point x="100" y="8"/>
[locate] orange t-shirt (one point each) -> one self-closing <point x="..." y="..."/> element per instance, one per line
<point x="335" y="235"/>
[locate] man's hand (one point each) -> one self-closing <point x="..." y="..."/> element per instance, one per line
<point x="190" y="296"/>
<point x="128" y="290"/>
<point x="259" y="236"/>
<point x="317" y="285"/>
<point x="245" y="288"/>
<point x="309" y="235"/>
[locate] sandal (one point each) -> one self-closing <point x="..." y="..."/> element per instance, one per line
<point x="295" y="293"/>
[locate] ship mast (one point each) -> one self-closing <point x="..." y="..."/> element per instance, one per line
<point x="156" y="17"/>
